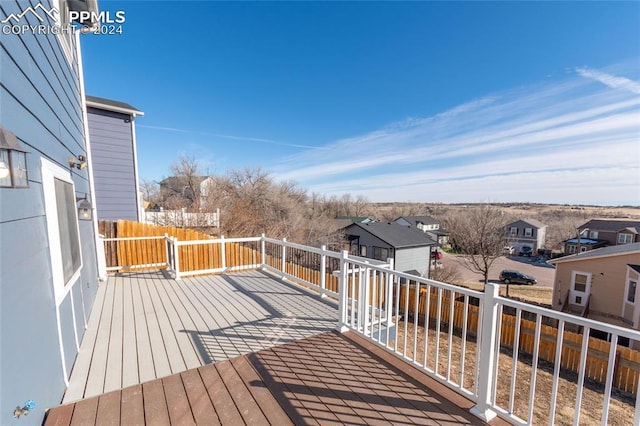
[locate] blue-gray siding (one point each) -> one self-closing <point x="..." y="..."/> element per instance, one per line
<point x="40" y="103"/>
<point x="111" y="139"/>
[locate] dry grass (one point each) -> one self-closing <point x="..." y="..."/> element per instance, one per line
<point x="524" y="293"/>
<point x="621" y="409"/>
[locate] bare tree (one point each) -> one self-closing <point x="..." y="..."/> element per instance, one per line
<point x="478" y="234"/>
<point x="150" y="191"/>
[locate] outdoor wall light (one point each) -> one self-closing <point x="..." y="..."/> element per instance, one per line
<point x="84" y="208"/>
<point x="13" y="161"/>
<point x="79" y="162"/>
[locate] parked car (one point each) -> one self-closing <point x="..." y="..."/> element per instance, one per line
<point x="526" y="251"/>
<point x="508" y="250"/>
<point x="515" y="277"/>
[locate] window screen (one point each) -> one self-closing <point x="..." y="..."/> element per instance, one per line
<point x="68" y="228"/>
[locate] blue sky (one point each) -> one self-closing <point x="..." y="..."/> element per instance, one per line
<point x="411" y="101"/>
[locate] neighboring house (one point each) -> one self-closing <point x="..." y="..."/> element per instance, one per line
<point x="357" y="219"/>
<point x="607" y="232"/>
<point x="408" y="247"/>
<point x="527" y="233"/>
<point x="428" y="225"/>
<point x="605" y="278"/>
<point x="582" y="244"/>
<point x="48" y="267"/>
<point x="112" y="133"/>
<point x="182" y="191"/>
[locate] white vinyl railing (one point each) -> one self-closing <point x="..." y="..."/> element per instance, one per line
<point x="488" y="348"/>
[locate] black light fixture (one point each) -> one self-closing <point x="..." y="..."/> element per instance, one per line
<point x="79" y="162"/>
<point x="13" y="161"/>
<point x="84" y="208"/>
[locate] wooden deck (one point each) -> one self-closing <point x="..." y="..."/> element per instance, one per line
<point x="145" y="326"/>
<point x="325" y="379"/>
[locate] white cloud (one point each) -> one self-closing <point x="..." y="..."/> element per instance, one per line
<point x="610" y="80"/>
<point x="542" y="133"/>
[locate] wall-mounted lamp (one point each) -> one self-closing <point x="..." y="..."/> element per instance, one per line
<point x="79" y="162"/>
<point x="25" y="409"/>
<point x="84" y="208"/>
<point x="13" y="161"/>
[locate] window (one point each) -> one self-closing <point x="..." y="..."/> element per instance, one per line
<point x="68" y="228"/>
<point x="631" y="291"/>
<point x="571" y="249"/>
<point x="62" y="228"/>
<point x="580" y="282"/>
<point x="528" y="232"/>
<point x="585" y="233"/>
<point x="380" y="253"/>
<point x="514" y="230"/>
<point x="625" y="238"/>
<point x="593" y="235"/>
<point x="583" y="249"/>
<point x="66" y="28"/>
<point x="363" y="251"/>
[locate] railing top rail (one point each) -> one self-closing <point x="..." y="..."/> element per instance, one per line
<point x="158" y="237"/>
<point x="574" y="319"/>
<point x="216" y="241"/>
<point x="421" y="280"/>
<point x="316" y="250"/>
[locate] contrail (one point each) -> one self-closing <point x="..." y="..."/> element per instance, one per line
<point x="237" y="138"/>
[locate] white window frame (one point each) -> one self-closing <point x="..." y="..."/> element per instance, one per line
<point x="513" y="231"/>
<point x="571" y="249"/>
<point x="593" y="235"/>
<point x="67" y="39"/>
<point x="626" y="292"/>
<point x="587" y="289"/>
<point x="528" y="232"/>
<point x="50" y="172"/>
<point x="624" y="240"/>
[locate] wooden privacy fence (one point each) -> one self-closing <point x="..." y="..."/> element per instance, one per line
<point x="627" y="367"/>
<point x="123" y="254"/>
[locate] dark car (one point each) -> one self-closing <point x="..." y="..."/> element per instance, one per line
<point x="515" y="277"/>
<point x="526" y="251"/>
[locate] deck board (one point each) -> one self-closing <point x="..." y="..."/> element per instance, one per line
<point x="132" y="406"/>
<point x="325" y="379"/>
<point x="129" y="346"/>
<point x="146" y="326"/>
<point x="81" y="367"/>
<point x="113" y="372"/>
<point x="108" y="413"/>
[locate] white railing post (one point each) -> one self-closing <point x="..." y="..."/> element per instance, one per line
<point x="284" y="257"/>
<point x="223" y="251"/>
<point x="343" y="288"/>
<point x="486" y="374"/>
<point x="166" y="248"/>
<point x="364" y="294"/>
<point x="263" y="252"/>
<point x="176" y="257"/>
<point x="389" y="294"/>
<point x="323" y="268"/>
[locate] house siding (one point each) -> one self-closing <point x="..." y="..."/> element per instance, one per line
<point x="40" y="102"/>
<point x="608" y="281"/>
<point x="111" y="136"/>
<point x="413" y="258"/>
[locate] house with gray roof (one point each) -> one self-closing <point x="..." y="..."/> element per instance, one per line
<point x="526" y="233"/>
<point x="426" y="224"/>
<point x="409" y="247"/>
<point x="602" y="283"/>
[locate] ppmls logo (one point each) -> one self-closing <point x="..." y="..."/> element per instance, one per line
<point x="91" y="22"/>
